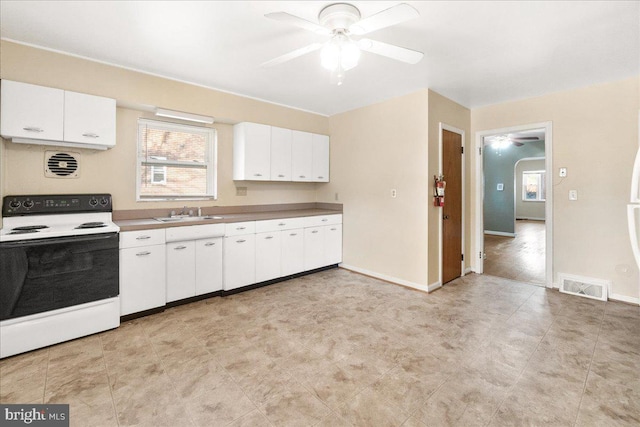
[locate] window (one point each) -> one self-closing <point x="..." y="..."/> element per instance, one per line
<point x="533" y="186"/>
<point x="175" y="161"/>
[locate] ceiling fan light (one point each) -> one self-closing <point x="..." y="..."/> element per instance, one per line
<point x="330" y="56"/>
<point x="349" y="55"/>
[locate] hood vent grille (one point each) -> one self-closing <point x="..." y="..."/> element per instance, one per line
<point x="61" y="165"/>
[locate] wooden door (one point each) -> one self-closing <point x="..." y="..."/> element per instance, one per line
<point x="452" y="210"/>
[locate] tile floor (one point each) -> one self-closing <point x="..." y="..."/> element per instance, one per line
<point x="519" y="258"/>
<point x="340" y="349"/>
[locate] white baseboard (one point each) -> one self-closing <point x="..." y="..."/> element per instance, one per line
<point x="432" y="287"/>
<point x="499" y="233"/>
<point x="623" y="298"/>
<point x="468" y="270"/>
<point x="386" y="278"/>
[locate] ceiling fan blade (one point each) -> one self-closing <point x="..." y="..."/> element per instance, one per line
<point x="392" y="16"/>
<point x="292" y="55"/>
<point x="298" y="22"/>
<point x="525" y="138"/>
<point x="517" y="144"/>
<point x="391" y="51"/>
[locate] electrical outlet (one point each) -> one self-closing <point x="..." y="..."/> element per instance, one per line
<point x="563" y="172"/>
<point x="394" y="193"/>
<point x="336" y="197"/>
<point x="573" y="194"/>
<point x="241" y="191"/>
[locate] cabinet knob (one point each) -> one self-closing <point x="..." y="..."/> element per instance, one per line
<point x="145" y="253"/>
<point x="268" y="237"/>
<point x="91" y="135"/>
<point x="324" y="220"/>
<point x="33" y="129"/>
<point x="240" y="228"/>
<point x="257" y="174"/>
<point x="293" y="234"/>
<point x="143" y="237"/>
<point x="280" y="176"/>
<point x="210" y="244"/>
<point x="177" y="248"/>
<point x="321" y="177"/>
<point x="240" y="241"/>
<point x="314" y="231"/>
<point x="302" y="176"/>
<point x="282" y="224"/>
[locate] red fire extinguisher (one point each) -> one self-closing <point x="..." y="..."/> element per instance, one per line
<point x="438" y="188"/>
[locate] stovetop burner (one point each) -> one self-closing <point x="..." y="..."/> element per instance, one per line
<point x="23" y="231"/>
<point x="29" y="227"/>
<point x="91" y="225"/>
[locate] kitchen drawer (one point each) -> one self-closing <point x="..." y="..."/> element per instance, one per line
<point x="194" y="232"/>
<point x="279" y="224"/>
<point x="240" y="228"/>
<point x="315" y="221"/>
<point x="133" y="239"/>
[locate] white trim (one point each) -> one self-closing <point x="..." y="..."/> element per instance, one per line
<point x="443" y="126"/>
<point x="111" y="64"/>
<point x="624" y="298"/>
<point x="387" y="278"/>
<point x="468" y="270"/>
<point x="499" y="233"/>
<point x="436" y="285"/>
<point x="479" y="219"/>
<point x="529" y="219"/>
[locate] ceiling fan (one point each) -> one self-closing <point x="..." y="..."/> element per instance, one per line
<point x="341" y="22"/>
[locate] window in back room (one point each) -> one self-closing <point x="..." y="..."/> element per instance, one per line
<point x="175" y="161"/>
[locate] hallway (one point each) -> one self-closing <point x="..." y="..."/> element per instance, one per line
<point x="521" y="258"/>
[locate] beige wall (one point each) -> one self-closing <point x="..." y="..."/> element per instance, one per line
<point x="595" y="136"/>
<point x="443" y="110"/>
<point x="113" y="171"/>
<point x="373" y="150"/>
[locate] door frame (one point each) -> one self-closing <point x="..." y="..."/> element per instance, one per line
<point x="442" y="127"/>
<point x="479" y="194"/>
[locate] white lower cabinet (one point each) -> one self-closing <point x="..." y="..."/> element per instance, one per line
<point x="333" y="244"/>
<point x="181" y="270"/>
<point x="268" y="256"/>
<point x="239" y="261"/>
<point x="313" y="248"/>
<point x="142" y="271"/>
<point x="208" y="265"/>
<point x="292" y="251"/>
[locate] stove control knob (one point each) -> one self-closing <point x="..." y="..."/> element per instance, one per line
<point x="15" y="204"/>
<point x="104" y="201"/>
<point x="27" y="204"/>
<point x="93" y="202"/>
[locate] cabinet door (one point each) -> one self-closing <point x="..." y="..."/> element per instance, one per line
<point x="181" y="270"/>
<point x="292" y="251"/>
<point x="30" y="111"/>
<point x="89" y="119"/>
<point x="320" y="158"/>
<point x="313" y="248"/>
<point x="280" y="154"/>
<point x="268" y="256"/>
<point x="239" y="261"/>
<point x="142" y="279"/>
<point x="333" y="244"/>
<point x="208" y="265"/>
<point x="301" y="156"/>
<point x="252" y="152"/>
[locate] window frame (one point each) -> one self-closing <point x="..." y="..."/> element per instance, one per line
<point x="541" y="184"/>
<point x="210" y="164"/>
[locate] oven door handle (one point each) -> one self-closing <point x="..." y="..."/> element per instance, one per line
<point x="57" y="240"/>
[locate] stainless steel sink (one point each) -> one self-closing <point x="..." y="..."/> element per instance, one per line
<point x="187" y="218"/>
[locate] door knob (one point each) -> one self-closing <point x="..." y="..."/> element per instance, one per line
<point x="445" y="217"/>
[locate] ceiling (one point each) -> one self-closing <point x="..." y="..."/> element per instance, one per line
<point x="476" y="53"/>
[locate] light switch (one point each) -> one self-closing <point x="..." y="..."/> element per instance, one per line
<point x="563" y="172"/>
<point x="573" y="194"/>
<point x="394" y="193"/>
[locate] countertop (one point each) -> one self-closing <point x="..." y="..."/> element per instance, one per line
<point x="151" y="223"/>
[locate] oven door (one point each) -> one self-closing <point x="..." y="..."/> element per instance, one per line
<point x="40" y="275"/>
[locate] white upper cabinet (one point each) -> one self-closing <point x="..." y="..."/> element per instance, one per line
<point x="302" y="156"/>
<point x="30" y="111"/>
<point x="269" y="153"/>
<point x="252" y="152"/>
<point x="47" y="116"/>
<point x="320" y="158"/>
<point x="280" y="154"/>
<point x="89" y="119"/>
